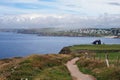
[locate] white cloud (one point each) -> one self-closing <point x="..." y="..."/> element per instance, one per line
<point x="68" y="21"/>
<point x="59" y="13"/>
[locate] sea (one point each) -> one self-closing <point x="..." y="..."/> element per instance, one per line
<point x="20" y="45"/>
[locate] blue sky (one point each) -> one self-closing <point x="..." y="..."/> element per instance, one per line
<point x="80" y="7"/>
<point x="59" y="13"/>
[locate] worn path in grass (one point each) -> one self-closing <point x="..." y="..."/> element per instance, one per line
<point x="75" y="73"/>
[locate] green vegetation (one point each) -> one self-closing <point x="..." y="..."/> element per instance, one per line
<point x="45" y="67"/>
<point x="111" y="55"/>
<point x="95" y="64"/>
<point x="97" y="48"/>
<point x="99" y="70"/>
<point x="52" y="66"/>
<point x="54" y="73"/>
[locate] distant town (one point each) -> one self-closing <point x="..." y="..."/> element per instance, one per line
<point x="80" y="32"/>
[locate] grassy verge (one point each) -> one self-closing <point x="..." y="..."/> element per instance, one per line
<point x="49" y="67"/>
<point x="98" y="69"/>
<point x="54" y="73"/>
<point x="97" y="48"/>
<point x="97" y="66"/>
<point x="111" y="55"/>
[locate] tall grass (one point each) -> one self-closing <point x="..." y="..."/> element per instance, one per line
<point x="49" y="67"/>
<point x="99" y="69"/>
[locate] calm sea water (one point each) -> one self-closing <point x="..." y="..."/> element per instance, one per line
<point x="12" y="44"/>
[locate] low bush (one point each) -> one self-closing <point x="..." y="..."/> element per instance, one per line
<point x="98" y="69"/>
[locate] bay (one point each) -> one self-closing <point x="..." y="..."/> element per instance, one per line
<point x="15" y="45"/>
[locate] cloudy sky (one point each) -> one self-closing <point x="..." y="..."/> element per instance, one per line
<point x="59" y="13"/>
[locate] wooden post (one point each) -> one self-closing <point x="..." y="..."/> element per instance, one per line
<point x="24" y="78"/>
<point x="117" y="60"/>
<point x="94" y="57"/>
<point x="86" y="55"/>
<point x="99" y="58"/>
<point x="107" y="61"/>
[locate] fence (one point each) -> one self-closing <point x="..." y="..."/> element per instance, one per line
<point x="106" y="57"/>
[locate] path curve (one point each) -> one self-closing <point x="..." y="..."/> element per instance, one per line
<point x="74" y="71"/>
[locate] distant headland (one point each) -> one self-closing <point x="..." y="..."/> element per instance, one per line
<point x="79" y="32"/>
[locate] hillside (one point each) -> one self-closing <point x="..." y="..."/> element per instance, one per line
<point x="35" y="67"/>
<point x="98" y="32"/>
<point x="95" y="59"/>
<point x="52" y="66"/>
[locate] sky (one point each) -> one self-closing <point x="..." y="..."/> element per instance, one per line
<point x="59" y="13"/>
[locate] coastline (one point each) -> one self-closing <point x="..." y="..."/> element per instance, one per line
<point x="112" y="37"/>
<point x="49" y="65"/>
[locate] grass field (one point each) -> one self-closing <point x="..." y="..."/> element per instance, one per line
<point x="113" y="51"/>
<point x="97" y="48"/>
<point x="97" y="67"/>
<point x="111" y="55"/>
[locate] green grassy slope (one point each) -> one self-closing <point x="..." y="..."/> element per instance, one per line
<point x="97" y="48"/>
<point x="45" y="67"/>
<point x="97" y="67"/>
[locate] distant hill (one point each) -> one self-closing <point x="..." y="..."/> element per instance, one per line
<point x="99" y="32"/>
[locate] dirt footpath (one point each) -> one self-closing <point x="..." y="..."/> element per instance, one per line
<point x="75" y="73"/>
